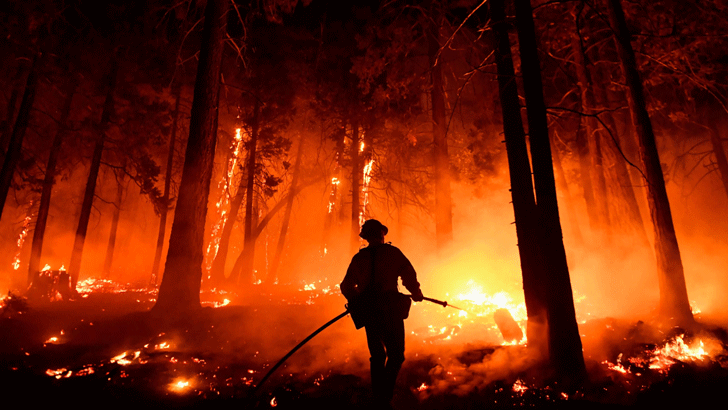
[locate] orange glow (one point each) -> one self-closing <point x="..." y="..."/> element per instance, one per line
<point x="367" y="177"/>
<point x="228" y="189"/>
<point x="519" y="387"/>
<point x="21" y="238"/>
<point x="180" y="385"/>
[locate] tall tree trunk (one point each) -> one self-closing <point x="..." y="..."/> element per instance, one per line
<point x="217" y="270"/>
<point x="564" y="187"/>
<point x="7" y="123"/>
<point x="565" y="349"/>
<point x="110" y="247"/>
<point x="585" y="174"/>
<point x="356" y="177"/>
<point x="524" y="203"/>
<point x="177" y="89"/>
<point x="74" y="267"/>
<point x="624" y="185"/>
<point x="12" y="157"/>
<point x="443" y="199"/>
<point x="36" y="249"/>
<point x="593" y="134"/>
<point x="332" y="214"/>
<point x="244" y="270"/>
<point x="718" y="150"/>
<point x="615" y="153"/>
<point x="260" y="226"/>
<point x="287" y="217"/>
<point x="674" y="302"/>
<point x="182" y="280"/>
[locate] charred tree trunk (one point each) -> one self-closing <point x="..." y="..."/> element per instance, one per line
<point x="260" y="225"/>
<point x="616" y="163"/>
<point x="74" y="267"/>
<point x="287" y="216"/>
<point x="7" y="123"/>
<point x="565" y="349"/>
<point x="182" y="280"/>
<point x="718" y="150"/>
<point x="443" y="199"/>
<point x="524" y="203"/>
<point x="624" y="185"/>
<point x="331" y="216"/>
<point x="109" y="259"/>
<point x="585" y="174"/>
<point x="217" y="271"/>
<point x="564" y="187"/>
<point x="593" y="135"/>
<point x="244" y="270"/>
<point x="12" y="157"/>
<point x="356" y="177"/>
<point x="36" y="249"/>
<point x="674" y="302"/>
<point x="167" y="183"/>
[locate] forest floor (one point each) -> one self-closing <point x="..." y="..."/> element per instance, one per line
<point x="107" y="349"/>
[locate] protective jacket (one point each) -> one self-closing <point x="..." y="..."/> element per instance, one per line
<point x="389" y="264"/>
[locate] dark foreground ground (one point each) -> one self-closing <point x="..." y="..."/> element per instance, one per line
<point x="113" y="353"/>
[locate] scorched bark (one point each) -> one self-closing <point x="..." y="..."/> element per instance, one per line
<point x="164" y="209"/>
<point x="74" y="267"/>
<point x="443" y="199"/>
<point x="12" y="157"/>
<point x="565" y="349"/>
<point x="524" y="203"/>
<point x="674" y="302"/>
<point x="36" y="249"/>
<point x="180" y="287"/>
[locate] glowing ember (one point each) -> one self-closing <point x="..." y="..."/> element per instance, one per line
<point x="124" y="360"/>
<point x="46" y="267"/>
<point x="519" y="387"/>
<point x="180" y="385"/>
<point x="273" y="402"/>
<point x="619" y="367"/>
<point x="53" y="339"/>
<point x="422" y="387"/>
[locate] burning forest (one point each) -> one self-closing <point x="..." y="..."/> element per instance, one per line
<point x="211" y="203"/>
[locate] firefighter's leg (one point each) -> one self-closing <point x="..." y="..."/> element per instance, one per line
<point x="394" y="343"/>
<point x="377" y="359"/>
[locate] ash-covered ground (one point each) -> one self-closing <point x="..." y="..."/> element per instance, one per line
<point x="107" y="349"/>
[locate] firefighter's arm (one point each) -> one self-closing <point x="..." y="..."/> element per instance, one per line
<point x="409" y="280"/>
<point x="351" y="286"/>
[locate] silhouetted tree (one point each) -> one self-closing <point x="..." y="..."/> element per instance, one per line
<point x="674" y="302"/>
<point x="180" y="287"/>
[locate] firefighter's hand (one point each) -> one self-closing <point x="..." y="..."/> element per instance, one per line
<point x="417" y="296"/>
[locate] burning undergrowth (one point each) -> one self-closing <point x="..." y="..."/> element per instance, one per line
<point x="107" y="345"/>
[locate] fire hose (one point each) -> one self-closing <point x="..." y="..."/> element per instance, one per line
<point x="321" y="329"/>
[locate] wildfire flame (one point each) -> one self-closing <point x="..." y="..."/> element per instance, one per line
<point x="519" y="387"/>
<point x="180" y="385"/>
<point x="21" y="238"/>
<point x="226" y="191"/>
<point x="365" y="189"/>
